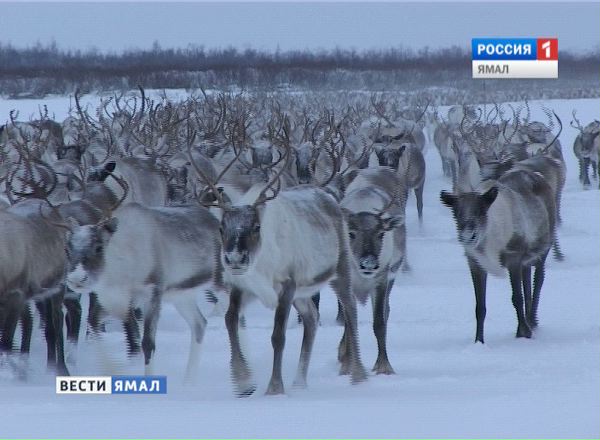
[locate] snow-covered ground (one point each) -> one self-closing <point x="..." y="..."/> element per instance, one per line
<point x="445" y="385"/>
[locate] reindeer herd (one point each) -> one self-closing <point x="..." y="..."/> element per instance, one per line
<point x="240" y="197"/>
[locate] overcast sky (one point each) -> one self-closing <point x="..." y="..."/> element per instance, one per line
<point x="119" y="26"/>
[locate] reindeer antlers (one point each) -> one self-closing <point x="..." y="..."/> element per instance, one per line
<point x="578" y="126"/>
<point x="284" y="141"/>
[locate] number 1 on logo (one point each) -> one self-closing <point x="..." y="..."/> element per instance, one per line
<point x="546" y="47"/>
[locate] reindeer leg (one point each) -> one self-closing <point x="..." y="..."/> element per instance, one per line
<point x="150" y="325"/>
<point x="132" y="333"/>
<point x="73" y="318"/>
<point x="344" y="354"/>
<point x="558" y="255"/>
<point x="586" y="165"/>
<point x="57" y="317"/>
<point x="419" y="197"/>
<point x="405" y="266"/>
<point x="380" y="303"/>
<point x="240" y="372"/>
<point x="310" y="317"/>
<point x="558" y="202"/>
<point x="316" y="298"/>
<point x="526" y="281"/>
<point x="446" y="167"/>
<point x="12" y="312"/>
<point x="278" y="337"/>
<point x="45" y="309"/>
<point x="95" y="316"/>
<point x="14" y="308"/>
<point x="189" y="310"/>
<point x="344" y="293"/>
<point x="27" y="329"/>
<point x="516" y="279"/>
<point x="339" y="319"/>
<point x="538" y="281"/>
<point x="479" y="278"/>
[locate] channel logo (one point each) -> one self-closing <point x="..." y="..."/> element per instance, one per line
<point x="514" y="57"/>
<point x="111" y="385"/>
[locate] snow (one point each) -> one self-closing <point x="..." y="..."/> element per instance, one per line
<point x="445" y="386"/>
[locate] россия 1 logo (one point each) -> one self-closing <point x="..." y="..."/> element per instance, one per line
<point x="515" y="57"/>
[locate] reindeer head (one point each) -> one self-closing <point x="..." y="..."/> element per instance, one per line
<point x="70" y="152"/>
<point x="390" y="156"/>
<point x="306" y="157"/>
<point x="240" y="235"/>
<point x="101" y="173"/>
<point x="86" y="255"/>
<point x="367" y="232"/>
<point x="470" y="212"/>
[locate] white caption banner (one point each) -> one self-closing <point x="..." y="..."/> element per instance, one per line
<point x="498" y="69"/>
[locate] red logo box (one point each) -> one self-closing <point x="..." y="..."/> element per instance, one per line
<point x="547" y="49"/>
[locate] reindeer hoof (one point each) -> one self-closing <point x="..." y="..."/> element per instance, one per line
<point x="524" y="332"/>
<point x="358" y="375"/>
<point x="344" y="369"/>
<point x="383" y="367"/>
<point x="274" y="389"/>
<point x="246" y="391"/>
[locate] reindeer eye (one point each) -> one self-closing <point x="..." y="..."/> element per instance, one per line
<point x="98" y="249"/>
<point x="352" y="235"/>
<point x="256" y="227"/>
<point x="381" y="234"/>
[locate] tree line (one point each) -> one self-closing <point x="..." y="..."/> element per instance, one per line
<point x="43" y="69"/>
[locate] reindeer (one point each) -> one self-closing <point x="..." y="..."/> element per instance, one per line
<point x="32" y="267"/>
<point x="147" y="185"/>
<point x="176" y="253"/>
<point x="445" y="137"/>
<point x="511" y="226"/>
<point x="442" y="138"/>
<point x="586" y="148"/>
<point x="483" y="159"/>
<point x="409" y="130"/>
<point x="374" y="209"/>
<point x="406" y="158"/>
<point x="256" y="265"/>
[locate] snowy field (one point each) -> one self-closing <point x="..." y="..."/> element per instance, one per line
<point x="445" y="385"/>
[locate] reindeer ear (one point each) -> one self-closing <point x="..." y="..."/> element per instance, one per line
<point x="489" y="197"/>
<point x="393" y="222"/>
<point x="448" y="199"/>
<point x="107" y="170"/>
<point x="110" y="166"/>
